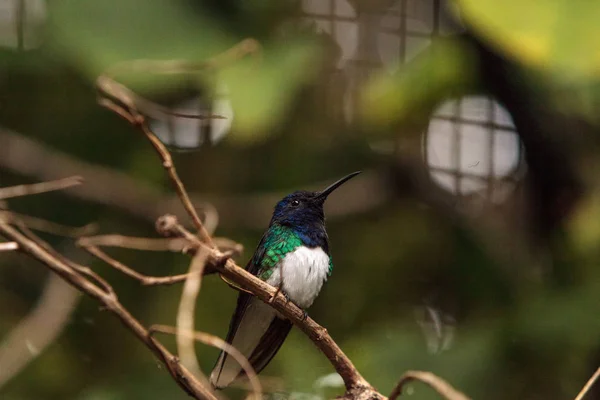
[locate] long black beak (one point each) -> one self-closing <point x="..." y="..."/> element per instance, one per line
<point x="323" y="194"/>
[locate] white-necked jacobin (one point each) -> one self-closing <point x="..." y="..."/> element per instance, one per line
<point x="292" y="255"/>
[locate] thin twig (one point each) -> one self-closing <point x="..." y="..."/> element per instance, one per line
<point x="176" y="245"/>
<point x="151" y="109"/>
<point x="219" y="343"/>
<point x="588" y="385"/>
<point x="38" y="329"/>
<point x="181" y="375"/>
<point x="77" y="267"/>
<point x="9" y="246"/>
<point x="115" y="189"/>
<point x="143" y="279"/>
<point x="134" y="108"/>
<point x="443" y="388"/>
<point x="42" y="187"/>
<point x="169" y="166"/>
<point x="245" y="47"/>
<point x="43" y="225"/>
<point x="167" y="162"/>
<point x="268" y="294"/>
<point x="35" y="188"/>
<point x="185" y="315"/>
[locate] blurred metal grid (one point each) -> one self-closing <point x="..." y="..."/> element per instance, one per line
<point x="410" y="26"/>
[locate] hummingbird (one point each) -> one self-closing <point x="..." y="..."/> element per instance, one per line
<point x="293" y="255"/>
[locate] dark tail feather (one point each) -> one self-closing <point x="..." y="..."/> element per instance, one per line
<point x="256" y="332"/>
<point x="270" y="343"/>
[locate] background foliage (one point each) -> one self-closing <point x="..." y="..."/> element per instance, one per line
<point x="520" y="298"/>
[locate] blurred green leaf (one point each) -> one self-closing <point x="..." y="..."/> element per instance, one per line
<point x="98" y="34"/>
<point x="561" y="35"/>
<point x="584" y="225"/>
<point x="446" y="66"/>
<point x="261" y="90"/>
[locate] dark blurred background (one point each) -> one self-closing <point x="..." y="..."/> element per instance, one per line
<point x="469" y="246"/>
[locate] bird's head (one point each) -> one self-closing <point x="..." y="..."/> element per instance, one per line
<point x="303" y="207"/>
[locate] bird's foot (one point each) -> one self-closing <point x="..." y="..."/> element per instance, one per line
<point x="272" y="299"/>
<point x="304" y="315"/>
<point x="287" y="297"/>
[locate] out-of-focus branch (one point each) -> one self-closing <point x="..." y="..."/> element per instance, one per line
<point x="143" y="279"/>
<point x="176" y="245"/>
<point x="185" y="315"/>
<point x="438" y="384"/>
<point x="42" y="225"/>
<point x="356" y="385"/>
<point x="113" y="188"/>
<point x="588" y="385"/>
<point x="38" y="251"/>
<point x="24" y="190"/>
<point x="103" y="185"/>
<point x="38" y="329"/>
<point x="134" y="108"/>
<point x="219" y="343"/>
<point x="167" y="161"/>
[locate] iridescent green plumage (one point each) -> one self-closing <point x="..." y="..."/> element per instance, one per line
<point x="293" y="255"/>
<point x="279" y="241"/>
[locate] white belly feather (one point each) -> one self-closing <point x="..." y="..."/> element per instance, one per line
<point x="304" y="271"/>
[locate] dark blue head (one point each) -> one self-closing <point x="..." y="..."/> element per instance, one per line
<point x="304" y="209"/>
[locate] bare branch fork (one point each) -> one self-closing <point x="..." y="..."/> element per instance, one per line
<point x="227" y="268"/>
<point x="208" y="255"/>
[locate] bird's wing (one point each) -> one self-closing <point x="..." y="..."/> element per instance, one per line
<point x="258" y="334"/>
<point x="255" y="330"/>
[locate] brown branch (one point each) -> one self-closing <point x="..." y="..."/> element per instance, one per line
<point x="38" y="329"/>
<point x="129" y="110"/>
<point x="245" y="47"/>
<point x="176" y="245"/>
<point x="133" y="101"/>
<point x="77" y="267"/>
<point x="180" y="374"/>
<point x="356" y="386"/>
<point x="353" y="380"/>
<point x="438" y="384"/>
<point x="116" y="189"/>
<point x="25" y="190"/>
<point x="185" y="314"/>
<point x="167" y="162"/>
<point x="145" y="280"/>
<point x="149" y="108"/>
<point x="42" y="225"/>
<point x="215" y="341"/>
<point x="588" y="385"/>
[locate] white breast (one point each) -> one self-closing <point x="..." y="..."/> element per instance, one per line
<point x="304" y="271"/>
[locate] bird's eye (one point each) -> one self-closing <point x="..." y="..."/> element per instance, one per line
<point x="295" y="203"/>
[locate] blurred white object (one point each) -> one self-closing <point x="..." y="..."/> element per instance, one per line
<point x="332" y="380"/>
<point x="22" y="23"/>
<point x="438" y="328"/>
<point x="470" y="143"/>
<point x="191" y="133"/>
